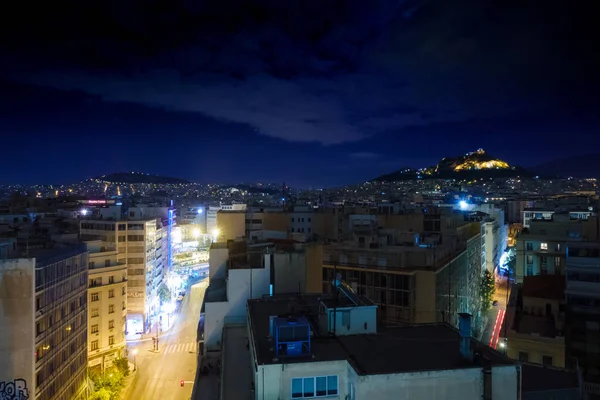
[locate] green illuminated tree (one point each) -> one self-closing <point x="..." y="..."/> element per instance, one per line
<point x="164" y="294"/>
<point x="488" y="288"/>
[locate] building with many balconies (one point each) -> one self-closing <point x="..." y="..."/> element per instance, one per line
<point x="107" y="300"/>
<point x="43" y="324"/>
<point x="143" y="246"/>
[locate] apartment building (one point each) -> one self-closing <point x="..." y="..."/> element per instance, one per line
<point x="541" y="248"/>
<point x="239" y="271"/>
<point x="583" y="312"/>
<point x="143" y="246"/>
<point x="424" y="281"/>
<point x="536" y="321"/>
<point x="43" y="324"/>
<point x="330" y="346"/>
<point x="546" y="213"/>
<point x="107" y="305"/>
<point x="212" y="211"/>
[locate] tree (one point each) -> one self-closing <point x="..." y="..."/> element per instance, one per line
<point x="122" y="364"/>
<point x="110" y="382"/>
<point x="488" y="288"/>
<point x="164" y="294"/>
<point x="102" y="394"/>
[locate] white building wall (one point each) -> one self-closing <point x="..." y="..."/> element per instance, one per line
<point x="17" y="327"/>
<point x="460" y="384"/>
<point x="504" y="382"/>
<point x="242" y="284"/>
<point x="217" y="263"/>
<point x="275" y="381"/>
<point x="214" y="316"/>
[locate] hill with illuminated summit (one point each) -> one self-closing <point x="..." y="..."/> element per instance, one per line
<point x="474" y="165"/>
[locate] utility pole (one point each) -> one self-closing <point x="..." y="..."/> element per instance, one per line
<point x="157" y="328"/>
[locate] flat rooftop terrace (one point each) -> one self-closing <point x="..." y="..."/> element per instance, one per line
<point x="425" y="347"/>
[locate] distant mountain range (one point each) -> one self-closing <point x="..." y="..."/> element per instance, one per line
<point x="584" y="166"/>
<point x="473" y="165"/>
<point x="138" y="177"/>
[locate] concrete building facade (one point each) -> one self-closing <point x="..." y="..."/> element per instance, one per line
<point x="107" y="300"/>
<point x="143" y="247"/>
<point x="43" y="324"/>
<point x="583" y="312"/>
<point x="359" y="362"/>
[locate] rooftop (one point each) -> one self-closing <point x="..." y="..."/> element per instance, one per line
<point x="536" y="324"/>
<point x="544" y="286"/>
<point x="425" y="347"/>
<point x="537" y="379"/>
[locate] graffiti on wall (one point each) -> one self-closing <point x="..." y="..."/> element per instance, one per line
<point x="15" y="390"/>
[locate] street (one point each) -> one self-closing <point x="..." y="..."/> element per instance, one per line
<point x="494" y="328"/>
<point x="159" y="374"/>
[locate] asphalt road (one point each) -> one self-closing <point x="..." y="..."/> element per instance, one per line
<point x="159" y="374"/>
<point x="494" y="329"/>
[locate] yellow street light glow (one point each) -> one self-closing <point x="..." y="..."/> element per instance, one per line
<point x="216" y="232"/>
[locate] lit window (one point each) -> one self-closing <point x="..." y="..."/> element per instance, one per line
<point x="544" y="246"/>
<point x="320" y="386"/>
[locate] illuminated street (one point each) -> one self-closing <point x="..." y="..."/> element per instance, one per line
<point x="494" y="329"/>
<point x="159" y="374"/>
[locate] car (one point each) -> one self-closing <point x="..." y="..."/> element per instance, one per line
<point x="182" y="294"/>
<point x="495" y="303"/>
<point x="179" y="298"/>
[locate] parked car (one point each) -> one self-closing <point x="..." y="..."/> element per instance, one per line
<point x="495" y="303"/>
<point x="179" y="297"/>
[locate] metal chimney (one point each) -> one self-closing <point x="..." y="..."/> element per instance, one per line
<point x="464" y="328"/>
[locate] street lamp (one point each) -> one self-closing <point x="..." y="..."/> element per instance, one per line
<point x="215" y="234"/>
<point x="134" y="352"/>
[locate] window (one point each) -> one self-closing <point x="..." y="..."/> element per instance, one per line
<point x="95" y="312"/>
<point x="320" y="386"/>
<point x="529" y="260"/>
<point x="107" y="263"/>
<point x="91" y="265"/>
<point x="111" y="293"/>
<point x="94" y="345"/>
<point x="111" y="309"/>
<point x="557" y="262"/>
<point x="557" y="246"/>
<point x="523" y="356"/>
<point x="543" y="246"/>
<point x="111" y="340"/>
<point x="529" y="246"/>
<point x="111" y="324"/>
<point x="111" y="279"/>
<point x="95" y="296"/>
<point x="94" y="328"/>
<point x="547" y="361"/>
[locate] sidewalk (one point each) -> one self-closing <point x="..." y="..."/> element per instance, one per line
<point x="128" y="382"/>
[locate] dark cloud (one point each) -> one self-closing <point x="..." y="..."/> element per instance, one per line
<point x="310" y="71"/>
<point x="365" y="155"/>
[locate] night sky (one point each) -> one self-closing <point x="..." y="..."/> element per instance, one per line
<point x="310" y="92"/>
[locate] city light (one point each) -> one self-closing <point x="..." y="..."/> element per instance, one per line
<point x="463" y="205"/>
<point x="215" y="234"/>
<point x="168" y="308"/>
<point x="176" y="235"/>
<point x="196" y="233"/>
<point x="199" y="211"/>
<point x="84" y="212"/>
